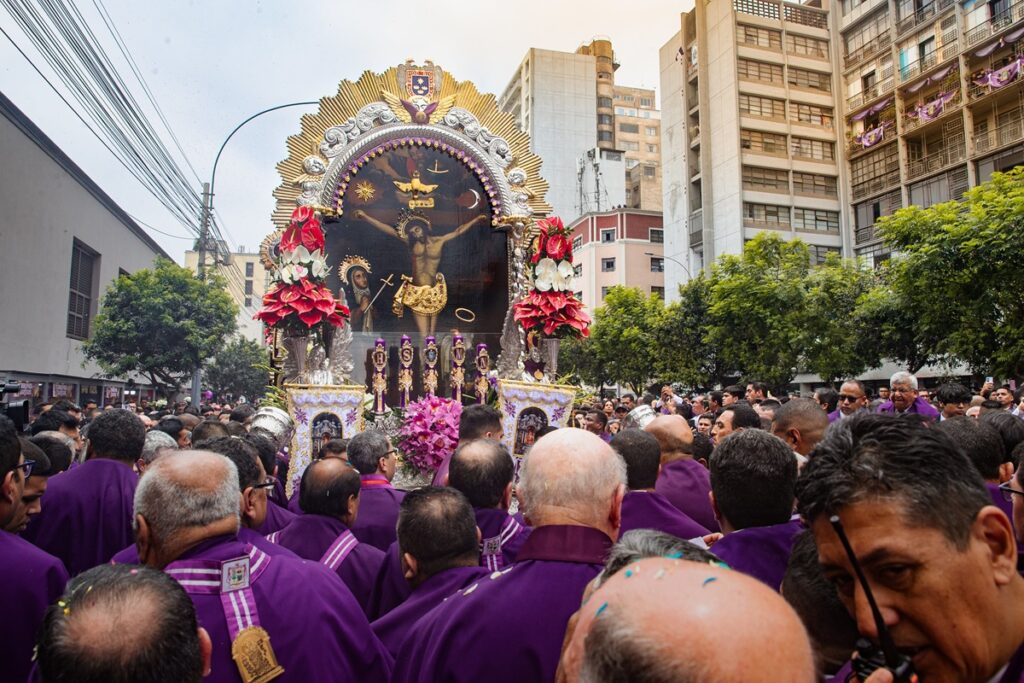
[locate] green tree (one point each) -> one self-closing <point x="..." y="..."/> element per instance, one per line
<point x="162" y="323"/>
<point x="758" y="301"/>
<point x="686" y="354"/>
<point x="959" y="266"/>
<point x="623" y="336"/>
<point x="238" y="369"/>
<point x="578" y="359"/>
<point x="888" y="326"/>
<point x="831" y="343"/>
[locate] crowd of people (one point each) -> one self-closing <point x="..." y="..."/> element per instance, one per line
<point x="726" y="536"/>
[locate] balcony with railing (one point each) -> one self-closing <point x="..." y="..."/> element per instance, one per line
<point x="951" y="152"/>
<point x="882" y="87"/>
<point x="696" y="227"/>
<point x="878" y="183"/>
<point x="943" y="54"/>
<point x="931" y="109"/>
<point x="864" y="235"/>
<point x="870" y="49"/>
<point x="995" y="25"/>
<point x="994" y="79"/>
<point x="1008" y="133"/>
<point x="806" y="16"/>
<point x="928" y="12"/>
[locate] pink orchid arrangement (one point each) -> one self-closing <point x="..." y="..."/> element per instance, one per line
<point x="430" y="431"/>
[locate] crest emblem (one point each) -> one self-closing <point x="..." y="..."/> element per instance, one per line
<point x="420" y="84"/>
<point x="234" y="575"/>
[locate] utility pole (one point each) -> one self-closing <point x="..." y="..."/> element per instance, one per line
<point x="204" y="236"/>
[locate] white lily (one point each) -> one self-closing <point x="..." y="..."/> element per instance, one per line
<point x="545" y="274"/>
<point x="565" y="275"/>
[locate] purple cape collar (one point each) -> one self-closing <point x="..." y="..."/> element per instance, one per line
<point x="376" y="481"/>
<point x="566" y="543"/>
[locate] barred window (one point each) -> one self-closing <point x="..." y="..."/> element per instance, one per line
<point x="875" y="166"/>
<point x="757" y="8"/>
<point x="765" y="215"/>
<point x="759" y="71"/>
<point x="759" y="37"/>
<point x="818" y="150"/>
<point x="812" y="80"/>
<point x="815" y="184"/>
<point x="810" y="114"/>
<point x="83" y="274"/>
<point x="629" y="128"/>
<point x="764" y="143"/>
<point x="817" y="220"/>
<point x="765" y="179"/>
<point x="804" y="45"/>
<point x="767" y="107"/>
<point x="657" y="235"/>
<point x="820" y="253"/>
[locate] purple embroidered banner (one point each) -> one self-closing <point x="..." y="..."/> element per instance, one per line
<point x="930" y="111"/>
<point x="874" y="109"/>
<point x="997" y="78"/>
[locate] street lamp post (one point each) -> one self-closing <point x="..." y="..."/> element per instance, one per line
<point x="675" y="260"/>
<point x="207" y="212"/>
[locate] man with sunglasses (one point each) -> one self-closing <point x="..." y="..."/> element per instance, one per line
<point x="376" y="460"/>
<point x="853" y="398"/>
<point x="30" y="579"/>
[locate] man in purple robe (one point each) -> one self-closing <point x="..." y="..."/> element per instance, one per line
<point x="683" y="481"/>
<point x="510" y="625"/>
<point x="253" y="483"/>
<point x="186" y="516"/>
<point x="35" y="486"/>
<point x="87" y="513"/>
<point x="753" y="474"/>
<point x="905" y="399"/>
<point x="123" y="624"/>
<point x="853" y="398"/>
<point x="438" y="538"/>
<point x="643" y="507"/>
<point x="475" y="422"/>
<point x="330" y="503"/>
<point x="940" y="558"/>
<point x="334" y="448"/>
<point x="29" y="578"/>
<point x="278" y="515"/>
<point x="983" y="446"/>
<point x="801" y="423"/>
<point x="375" y="460"/>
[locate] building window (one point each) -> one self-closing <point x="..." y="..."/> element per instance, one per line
<point x="765" y="179"/>
<point x="577" y="271"/>
<point x="629" y="128"/>
<point x="942" y="188"/>
<point x="627" y="98"/>
<point x="651" y="131"/>
<point x="248" y="302"/>
<point x="657" y="235"/>
<point x="765" y="107"/>
<point x="810" y="114"/>
<point x="763" y="143"/>
<point x="83" y="275"/>
<point x="608" y="265"/>
<point x="646" y="102"/>
<point x="653" y="149"/>
<point x="809" y="47"/>
<point x="815" y="220"/>
<point x="751" y="70"/>
<point x="658" y="291"/>
<point x="817" y="150"/>
<point x="248" y="287"/>
<point x="657" y="264"/>
<point x="630" y="146"/>
<point x="605" y="136"/>
<point x="867" y="38"/>
<point x="650" y="171"/>
<point x="759" y="37"/>
<point x="605" y="102"/>
<point x="605" y="119"/>
<point x="577" y="243"/>
<point x="874" y="172"/>
<point x="811" y="80"/>
<point x="765" y="215"/>
<point x="815" y="184"/>
<point x="820" y="253"/>
<point x="604" y="292"/>
<point x="249" y="269"/>
<point x="607" y="235"/>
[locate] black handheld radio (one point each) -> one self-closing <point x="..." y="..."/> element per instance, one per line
<point x="869" y="657"/>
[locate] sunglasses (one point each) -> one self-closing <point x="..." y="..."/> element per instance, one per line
<point x="846" y="398"/>
<point x="26" y="468"/>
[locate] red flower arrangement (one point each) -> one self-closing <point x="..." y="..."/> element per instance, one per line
<point x="550" y="308"/>
<point x="297" y="305"/>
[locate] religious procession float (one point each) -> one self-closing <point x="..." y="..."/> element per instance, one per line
<point x="415" y="270"/>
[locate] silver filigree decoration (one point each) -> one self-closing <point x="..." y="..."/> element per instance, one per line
<point x="314" y="165"/>
<point x="310" y="193"/>
<point x="516" y="177"/>
<point x="496" y="147"/>
<point x="513" y="340"/>
<point x="337" y="137"/>
<point x="340" y="353"/>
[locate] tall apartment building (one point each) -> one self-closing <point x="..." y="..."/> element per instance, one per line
<point x="751" y="141"/>
<point x="570" y="105"/>
<point x="246" y="281"/>
<point x="825" y="119"/>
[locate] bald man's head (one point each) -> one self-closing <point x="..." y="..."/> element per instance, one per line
<point x="572" y="476"/>
<point x="801" y="423"/>
<point x="674" y="437"/>
<point x="673" y="620"/>
<point x="483" y="470"/>
<point x="330" y="487"/>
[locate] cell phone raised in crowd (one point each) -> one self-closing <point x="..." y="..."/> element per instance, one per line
<point x="869" y="656"/>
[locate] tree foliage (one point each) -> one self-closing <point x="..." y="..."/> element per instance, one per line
<point x="623" y="346"/>
<point x="162" y="323"/>
<point x="238" y="370"/>
<point x="687" y="356"/>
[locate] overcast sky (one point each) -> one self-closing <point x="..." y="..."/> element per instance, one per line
<point x="213" y="63"/>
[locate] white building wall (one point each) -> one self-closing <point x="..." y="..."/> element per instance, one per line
<point x="673" y="159"/>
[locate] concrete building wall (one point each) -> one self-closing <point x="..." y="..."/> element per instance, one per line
<point x="246" y="281"/>
<point x="615" y="248"/>
<point x="49" y="205"/>
<point x="674" y="152"/>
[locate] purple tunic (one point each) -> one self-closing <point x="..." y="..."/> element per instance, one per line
<point x="651" y="510"/>
<point x="441" y="475"/>
<point x="999" y="501"/>
<point x="30" y="581"/>
<point x="378" y="512"/>
<point x="510" y="625"/>
<point x="502" y="536"/>
<point x="686" y="484"/>
<point x="760" y="551"/>
<point x="130" y="555"/>
<point x="834" y="416"/>
<point x="310" y="536"/>
<point x="390" y="589"/>
<point x="316" y="627"/>
<point x="87" y="514"/>
<point x="293" y="502"/>
<point x="919" y="406"/>
<point x="393" y="628"/>
<point x="277" y="519"/>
